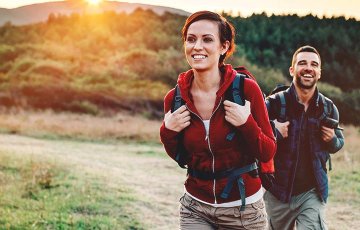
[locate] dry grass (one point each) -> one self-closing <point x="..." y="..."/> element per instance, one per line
<point x="344" y="200"/>
<point x="150" y="184"/>
<point x="41" y="191"/>
<point x="351" y="152"/>
<point x="79" y="126"/>
<point x="343" y="207"/>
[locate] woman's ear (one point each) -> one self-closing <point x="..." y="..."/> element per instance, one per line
<point x="225" y="47"/>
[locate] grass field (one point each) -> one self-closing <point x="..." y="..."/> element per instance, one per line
<point x="40" y="193"/>
<point x="52" y="125"/>
<point x="85" y="178"/>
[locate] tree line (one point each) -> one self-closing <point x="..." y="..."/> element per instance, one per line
<point x="109" y="61"/>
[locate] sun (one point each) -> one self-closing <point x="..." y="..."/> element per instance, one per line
<point x="94" y="2"/>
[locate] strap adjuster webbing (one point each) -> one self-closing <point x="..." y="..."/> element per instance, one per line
<point x="236" y="175"/>
<point x="233" y="174"/>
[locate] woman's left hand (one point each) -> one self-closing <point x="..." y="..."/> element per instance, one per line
<point x="236" y="114"/>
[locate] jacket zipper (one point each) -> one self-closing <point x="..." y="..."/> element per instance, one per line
<point x="208" y="141"/>
<point x="297" y="155"/>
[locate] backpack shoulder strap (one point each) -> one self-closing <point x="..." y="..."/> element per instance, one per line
<point x="181" y="154"/>
<point x="177" y="101"/>
<point x="281" y="98"/>
<point x="328" y="106"/>
<point x="327" y="111"/>
<point x="238" y="89"/>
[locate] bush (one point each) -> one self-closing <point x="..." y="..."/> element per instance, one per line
<point x="267" y="78"/>
<point x="49" y="68"/>
<point x="83" y="107"/>
<point x="332" y="92"/>
<point x="7" y="53"/>
<point x="23" y="65"/>
<point x="141" y="62"/>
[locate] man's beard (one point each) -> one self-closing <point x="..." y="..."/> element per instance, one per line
<point x="305" y="86"/>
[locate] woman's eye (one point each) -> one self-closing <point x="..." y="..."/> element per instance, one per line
<point x="190" y="39"/>
<point x="208" y="40"/>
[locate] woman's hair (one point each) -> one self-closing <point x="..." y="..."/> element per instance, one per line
<point x="226" y="30"/>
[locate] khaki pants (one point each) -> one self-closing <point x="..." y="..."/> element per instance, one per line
<point x="305" y="211"/>
<point x="195" y="215"/>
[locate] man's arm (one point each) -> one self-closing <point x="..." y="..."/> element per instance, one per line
<point x="335" y="143"/>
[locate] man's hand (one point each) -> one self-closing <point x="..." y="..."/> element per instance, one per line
<point x="283" y="128"/>
<point x="236" y="114"/>
<point x="327" y="133"/>
<point x="178" y="120"/>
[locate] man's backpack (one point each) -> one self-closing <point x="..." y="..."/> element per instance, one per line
<point x="279" y="93"/>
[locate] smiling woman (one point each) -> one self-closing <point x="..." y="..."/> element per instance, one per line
<point x="214" y="160"/>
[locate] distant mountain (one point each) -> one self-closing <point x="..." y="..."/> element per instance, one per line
<point x="39" y="12"/>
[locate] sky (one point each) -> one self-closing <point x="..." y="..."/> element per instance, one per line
<point x="347" y="8"/>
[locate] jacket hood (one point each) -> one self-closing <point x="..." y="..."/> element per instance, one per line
<point x="185" y="79"/>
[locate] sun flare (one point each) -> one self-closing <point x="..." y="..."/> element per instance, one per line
<point x="94" y="2"/>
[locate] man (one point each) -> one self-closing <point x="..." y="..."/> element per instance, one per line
<point x="298" y="194"/>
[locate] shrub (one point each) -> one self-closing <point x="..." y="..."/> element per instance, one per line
<point x="23" y="65"/>
<point x="7" y="53"/>
<point x="333" y="92"/>
<point x="49" y="68"/>
<point x="83" y="107"/>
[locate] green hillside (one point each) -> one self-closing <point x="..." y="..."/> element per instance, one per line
<point x="110" y="62"/>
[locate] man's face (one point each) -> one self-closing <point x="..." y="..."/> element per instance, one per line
<point x="306" y="70"/>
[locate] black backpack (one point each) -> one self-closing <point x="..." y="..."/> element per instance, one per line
<point x="235" y="93"/>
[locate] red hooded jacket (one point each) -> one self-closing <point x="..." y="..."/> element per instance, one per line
<point x="214" y="153"/>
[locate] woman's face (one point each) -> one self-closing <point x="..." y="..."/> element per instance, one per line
<point x="202" y="45"/>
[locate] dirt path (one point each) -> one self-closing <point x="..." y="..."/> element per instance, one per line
<point x="155" y="180"/>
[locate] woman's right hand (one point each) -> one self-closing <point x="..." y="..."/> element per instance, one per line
<point x="178" y="120"/>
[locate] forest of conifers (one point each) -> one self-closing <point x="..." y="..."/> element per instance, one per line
<point x="110" y="62"/>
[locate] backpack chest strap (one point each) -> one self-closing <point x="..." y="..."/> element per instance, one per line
<point x="232" y="175"/>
